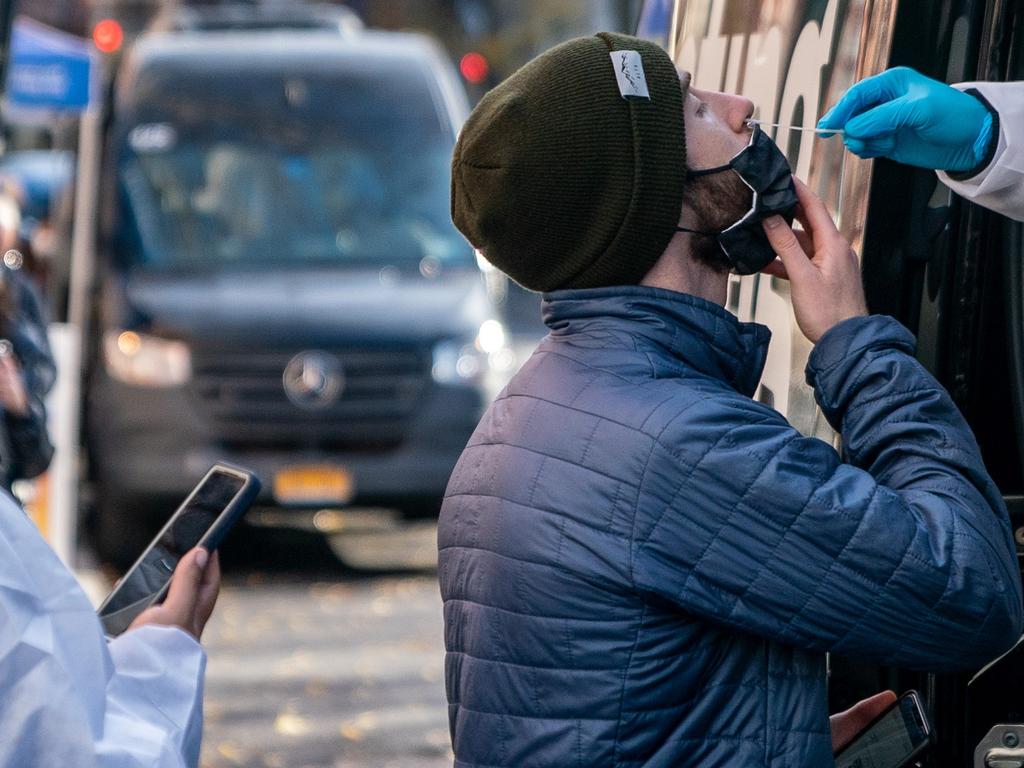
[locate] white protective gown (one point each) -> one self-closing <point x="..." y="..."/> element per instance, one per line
<point x="67" y="698"/>
<point x="1000" y="187"/>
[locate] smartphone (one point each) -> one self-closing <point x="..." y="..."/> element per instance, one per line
<point x="892" y="739"/>
<point x="204" y="518"/>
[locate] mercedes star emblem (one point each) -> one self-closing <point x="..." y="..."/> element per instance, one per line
<point x="313" y="380"/>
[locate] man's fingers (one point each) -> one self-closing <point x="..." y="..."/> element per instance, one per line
<point x="776" y="269"/>
<point x="184" y="592"/>
<point x="805" y="240"/>
<point x="785" y="244"/>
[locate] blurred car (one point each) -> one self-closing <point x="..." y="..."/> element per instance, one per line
<point x="282" y="286"/>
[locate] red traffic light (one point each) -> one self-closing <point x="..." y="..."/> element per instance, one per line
<point x="107" y="35"/>
<point x="474" y="67"/>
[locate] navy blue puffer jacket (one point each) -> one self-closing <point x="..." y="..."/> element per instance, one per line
<point x="642" y="566"/>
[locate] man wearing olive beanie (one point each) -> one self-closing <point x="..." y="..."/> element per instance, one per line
<point x="559" y="191"/>
<point x="640" y="564"/>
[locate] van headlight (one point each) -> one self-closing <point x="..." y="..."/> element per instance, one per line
<point x="487" y="360"/>
<point x="146" y="361"/>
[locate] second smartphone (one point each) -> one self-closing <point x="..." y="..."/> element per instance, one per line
<point x="891" y="740"/>
<point x="203" y="519"/>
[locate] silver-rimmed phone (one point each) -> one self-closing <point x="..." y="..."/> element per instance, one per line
<point x="203" y="519"/>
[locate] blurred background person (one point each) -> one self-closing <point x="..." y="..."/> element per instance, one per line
<point x="27" y="369"/>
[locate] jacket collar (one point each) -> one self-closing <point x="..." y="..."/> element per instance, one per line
<point x="701" y="334"/>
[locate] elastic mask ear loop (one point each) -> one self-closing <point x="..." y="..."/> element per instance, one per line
<point x="704" y="172"/>
<point x="727" y="166"/>
<point x="698" y="232"/>
<point x="717" y="169"/>
<point x="708" y="171"/>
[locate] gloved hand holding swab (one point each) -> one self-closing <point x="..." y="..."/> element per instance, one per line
<point x="907" y="117"/>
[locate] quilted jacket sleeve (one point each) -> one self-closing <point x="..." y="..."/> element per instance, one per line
<point x="902" y="554"/>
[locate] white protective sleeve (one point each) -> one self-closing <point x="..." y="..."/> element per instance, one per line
<point x="67" y="699"/>
<point x="1000" y="187"/>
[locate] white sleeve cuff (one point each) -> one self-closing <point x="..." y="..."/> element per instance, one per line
<point x="1000" y="186"/>
<point x="156" y="694"/>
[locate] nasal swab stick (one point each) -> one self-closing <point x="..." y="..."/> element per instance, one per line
<point x="823" y="131"/>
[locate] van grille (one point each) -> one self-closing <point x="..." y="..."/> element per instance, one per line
<point x="242" y="394"/>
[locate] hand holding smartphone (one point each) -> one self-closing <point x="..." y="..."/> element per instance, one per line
<point x="891" y="740"/>
<point x="203" y="519"/>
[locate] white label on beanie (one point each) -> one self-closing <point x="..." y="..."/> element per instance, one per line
<point x="629" y="71"/>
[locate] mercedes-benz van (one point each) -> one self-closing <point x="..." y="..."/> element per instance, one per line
<point x="281" y="285"/>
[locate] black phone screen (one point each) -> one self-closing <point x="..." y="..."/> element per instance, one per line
<point x="141" y="586"/>
<point x="888" y="742"/>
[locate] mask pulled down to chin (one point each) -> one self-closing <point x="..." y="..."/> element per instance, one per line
<point x="765" y="170"/>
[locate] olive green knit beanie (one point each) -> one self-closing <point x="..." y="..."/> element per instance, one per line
<point x="566" y="175"/>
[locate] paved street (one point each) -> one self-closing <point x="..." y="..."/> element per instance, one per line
<point x="318" y="666"/>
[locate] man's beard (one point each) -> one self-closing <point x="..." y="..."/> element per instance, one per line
<point x="717" y="201"/>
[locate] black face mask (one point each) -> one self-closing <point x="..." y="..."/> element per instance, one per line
<point x="763" y="168"/>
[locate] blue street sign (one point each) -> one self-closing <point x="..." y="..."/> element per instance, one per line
<point x="49" y="69"/>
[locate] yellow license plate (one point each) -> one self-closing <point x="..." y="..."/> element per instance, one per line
<point x="313" y="486"/>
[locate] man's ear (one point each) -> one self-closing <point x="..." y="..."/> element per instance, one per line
<point x="687" y="216"/>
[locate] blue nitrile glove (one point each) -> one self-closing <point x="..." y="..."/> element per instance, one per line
<point x="905" y="116"/>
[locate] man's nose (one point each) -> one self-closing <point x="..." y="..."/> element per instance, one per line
<point x="740" y="109"/>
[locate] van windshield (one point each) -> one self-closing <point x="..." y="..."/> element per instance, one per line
<point x="356" y="177"/>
